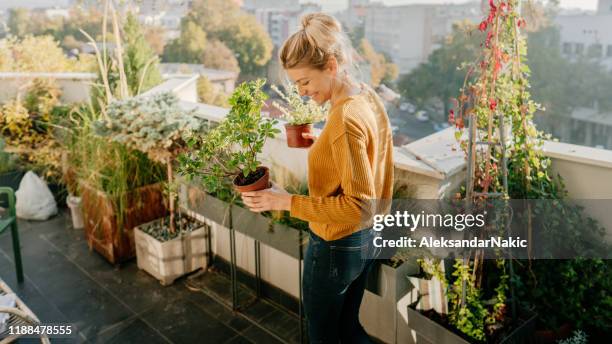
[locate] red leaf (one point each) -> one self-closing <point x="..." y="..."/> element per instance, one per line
<point x="483" y="26"/>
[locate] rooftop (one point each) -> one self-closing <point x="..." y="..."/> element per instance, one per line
<point x="65" y="281"/>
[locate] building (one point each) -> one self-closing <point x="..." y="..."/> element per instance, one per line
<point x="167" y="14"/>
<point x="279" y="18"/>
<point x="604" y="7"/>
<point x="409" y="33"/>
<point x="356" y="13"/>
<point x="587" y="35"/>
<point x="223" y="80"/>
<point x="252" y="5"/>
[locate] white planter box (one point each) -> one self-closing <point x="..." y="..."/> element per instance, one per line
<point x="172" y="259"/>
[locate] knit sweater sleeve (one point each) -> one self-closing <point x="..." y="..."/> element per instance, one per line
<point x="349" y="154"/>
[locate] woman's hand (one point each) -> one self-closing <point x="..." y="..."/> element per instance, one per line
<point x="310" y="136"/>
<point x="274" y="198"/>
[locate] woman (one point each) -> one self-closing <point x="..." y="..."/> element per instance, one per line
<point x="350" y="165"/>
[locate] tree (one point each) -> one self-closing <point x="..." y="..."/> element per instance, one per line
<point x="440" y="77"/>
<point x="141" y="63"/>
<point x="561" y="85"/>
<point x="380" y="69"/>
<point x="222" y="20"/>
<point x="189" y="47"/>
<point x="209" y="94"/>
<point x="155" y="37"/>
<point x="252" y="45"/>
<point x="218" y="56"/>
<point x="19" y="22"/>
<point x="35" y="54"/>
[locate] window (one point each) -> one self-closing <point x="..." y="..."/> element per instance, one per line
<point x="579" y="48"/>
<point x="567" y="48"/>
<point x="595" y="50"/>
<point x="609" y="54"/>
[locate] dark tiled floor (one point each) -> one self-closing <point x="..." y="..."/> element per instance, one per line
<point x="67" y="283"/>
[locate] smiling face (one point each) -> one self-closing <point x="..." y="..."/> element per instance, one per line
<point x="313" y="82"/>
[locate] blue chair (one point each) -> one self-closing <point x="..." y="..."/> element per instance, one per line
<point x="9" y="220"/>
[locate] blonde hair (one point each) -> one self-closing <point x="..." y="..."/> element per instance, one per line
<point x="319" y="38"/>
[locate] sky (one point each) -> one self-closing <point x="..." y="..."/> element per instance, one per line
<point x="328" y="5"/>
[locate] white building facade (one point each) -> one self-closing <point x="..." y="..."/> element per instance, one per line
<point x="588" y="35"/>
<point x="410" y="33"/>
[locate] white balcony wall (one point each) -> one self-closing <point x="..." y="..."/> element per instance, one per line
<point x="75" y="87"/>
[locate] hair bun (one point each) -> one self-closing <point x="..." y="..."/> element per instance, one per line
<point x="321" y="21"/>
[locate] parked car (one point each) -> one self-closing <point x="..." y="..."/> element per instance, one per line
<point x="406" y="106"/>
<point x="421" y="116"/>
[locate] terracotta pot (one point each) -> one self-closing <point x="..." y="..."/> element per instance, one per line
<point x="294" y="135"/>
<point x="260" y="184"/>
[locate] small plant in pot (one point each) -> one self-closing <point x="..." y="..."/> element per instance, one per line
<point x="228" y="153"/>
<point x="158" y="127"/>
<point x="300" y="115"/>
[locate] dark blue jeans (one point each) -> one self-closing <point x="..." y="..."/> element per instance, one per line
<point x="335" y="274"/>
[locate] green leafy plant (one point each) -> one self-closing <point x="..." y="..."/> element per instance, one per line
<point x="8" y="161"/>
<point x="28" y="125"/>
<point x="297" y="111"/>
<point x="497" y="88"/>
<point x="229" y="151"/>
<point x="156" y="126"/>
<point x="96" y="161"/>
<point x="578" y="337"/>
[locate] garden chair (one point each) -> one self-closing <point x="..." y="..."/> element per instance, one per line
<point x="20" y="315"/>
<point x="9" y="219"/>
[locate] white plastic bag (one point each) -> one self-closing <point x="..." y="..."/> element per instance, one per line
<point x="34" y="199"/>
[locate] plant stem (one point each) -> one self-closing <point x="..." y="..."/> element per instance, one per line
<point x="170" y="195"/>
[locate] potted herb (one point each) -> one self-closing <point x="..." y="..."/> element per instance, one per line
<point x="228" y="153"/>
<point x="171" y="246"/>
<point x="299" y="114"/>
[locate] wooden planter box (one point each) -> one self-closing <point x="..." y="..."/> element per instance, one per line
<point x="386" y="285"/>
<point x="102" y="231"/>
<point x="172" y="259"/>
<point x="11" y="179"/>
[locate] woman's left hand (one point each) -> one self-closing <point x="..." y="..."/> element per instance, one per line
<point x="274" y="198"/>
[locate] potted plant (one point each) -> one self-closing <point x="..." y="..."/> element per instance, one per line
<point x="120" y="187"/>
<point x="173" y="245"/>
<point x="229" y="151"/>
<point x="300" y="116"/>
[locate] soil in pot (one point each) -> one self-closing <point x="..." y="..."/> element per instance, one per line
<point x="160" y="229"/>
<point x="255" y="181"/>
<point x="294" y="135"/>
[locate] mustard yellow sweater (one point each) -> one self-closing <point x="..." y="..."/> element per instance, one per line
<point x="349" y="166"/>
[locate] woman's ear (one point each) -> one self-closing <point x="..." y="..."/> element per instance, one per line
<point x="332" y="65"/>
